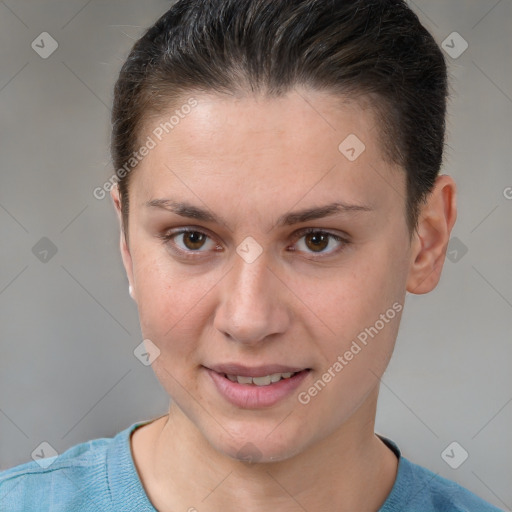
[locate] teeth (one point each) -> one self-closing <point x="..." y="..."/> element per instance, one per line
<point x="262" y="381"/>
<point x="259" y="381"/>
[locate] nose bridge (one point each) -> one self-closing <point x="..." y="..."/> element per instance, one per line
<point x="251" y="308"/>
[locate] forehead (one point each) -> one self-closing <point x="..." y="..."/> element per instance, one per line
<point x="301" y="141"/>
<point x="225" y="122"/>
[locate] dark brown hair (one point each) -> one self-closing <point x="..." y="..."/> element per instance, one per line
<point x="373" y="48"/>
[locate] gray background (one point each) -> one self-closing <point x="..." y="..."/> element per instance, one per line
<point x="68" y="327"/>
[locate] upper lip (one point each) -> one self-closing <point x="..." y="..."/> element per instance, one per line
<point x="254" y="371"/>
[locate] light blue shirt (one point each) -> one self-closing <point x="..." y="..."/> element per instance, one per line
<point x="100" y="476"/>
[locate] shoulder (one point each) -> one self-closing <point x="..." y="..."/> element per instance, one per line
<point x="418" y="489"/>
<point x="77" y="479"/>
<point x="441" y="493"/>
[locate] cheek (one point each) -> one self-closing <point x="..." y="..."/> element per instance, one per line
<point x="163" y="298"/>
<point x="362" y="306"/>
<point x="353" y="297"/>
<point x="172" y="302"/>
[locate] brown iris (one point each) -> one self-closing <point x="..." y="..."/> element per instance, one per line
<point x="319" y="240"/>
<point x="196" y="239"/>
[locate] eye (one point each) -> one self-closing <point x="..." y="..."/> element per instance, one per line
<point x="317" y="240"/>
<point x="188" y="241"/>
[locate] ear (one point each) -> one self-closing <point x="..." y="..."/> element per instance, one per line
<point x="430" y="240"/>
<point x="123" y="245"/>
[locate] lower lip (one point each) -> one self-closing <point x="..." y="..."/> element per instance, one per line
<point x="250" y="396"/>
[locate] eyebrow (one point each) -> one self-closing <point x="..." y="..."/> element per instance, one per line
<point x="185" y="209"/>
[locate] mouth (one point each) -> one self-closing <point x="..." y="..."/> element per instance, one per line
<point x="256" y="387"/>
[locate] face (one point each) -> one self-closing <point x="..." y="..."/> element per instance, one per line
<point x="257" y="281"/>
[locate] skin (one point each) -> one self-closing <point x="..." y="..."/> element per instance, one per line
<point x="250" y="160"/>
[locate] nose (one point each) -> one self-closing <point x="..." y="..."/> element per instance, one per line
<point x="253" y="303"/>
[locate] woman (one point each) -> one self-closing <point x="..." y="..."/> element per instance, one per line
<point x="278" y="193"/>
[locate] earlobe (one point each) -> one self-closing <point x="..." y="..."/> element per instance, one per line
<point x="430" y="241"/>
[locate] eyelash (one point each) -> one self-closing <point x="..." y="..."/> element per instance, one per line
<point x="168" y="237"/>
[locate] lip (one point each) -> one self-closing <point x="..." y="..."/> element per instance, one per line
<point x="254" y="371"/>
<point x="250" y="396"/>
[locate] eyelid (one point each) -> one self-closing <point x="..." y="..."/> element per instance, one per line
<point x="304" y="231"/>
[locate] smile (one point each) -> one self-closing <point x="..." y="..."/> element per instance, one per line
<point x="265" y="389"/>
<point x="260" y="381"/>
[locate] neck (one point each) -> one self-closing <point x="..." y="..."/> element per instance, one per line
<point x="335" y="473"/>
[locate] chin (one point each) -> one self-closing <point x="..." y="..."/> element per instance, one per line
<point x="257" y="446"/>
